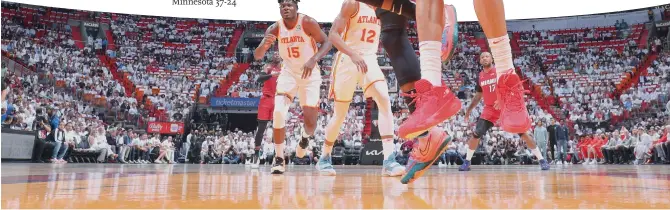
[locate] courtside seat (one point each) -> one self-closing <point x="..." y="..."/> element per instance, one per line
<point x="338" y="155"/>
<point x="354" y="155"/>
<point x="83" y="154"/>
<point x="348" y="155"/>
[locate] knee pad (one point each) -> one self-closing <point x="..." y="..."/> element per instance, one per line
<point x="475" y="135"/>
<point x="479" y="132"/>
<point x="279" y="114"/>
<point x="481" y="128"/>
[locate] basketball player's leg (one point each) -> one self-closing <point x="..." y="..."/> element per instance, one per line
<point x="286" y="88"/>
<point x="403" y="59"/>
<point x="404" y="62"/>
<point x="344" y="80"/>
<point x="282" y="104"/>
<point x="491" y="15"/>
<point x="325" y="165"/>
<point x="437" y="103"/>
<point x="481" y="127"/>
<point x="260" y="131"/>
<point x="310" y="116"/>
<point x="429" y="26"/>
<point x="375" y="86"/>
<point x="544" y="165"/>
<point x="265" y="112"/>
<point x="309" y="94"/>
<point x="258" y="139"/>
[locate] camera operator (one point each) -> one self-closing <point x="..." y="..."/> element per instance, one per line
<point x="497" y="153"/>
<point x="231" y="156"/>
<point x="42" y="128"/>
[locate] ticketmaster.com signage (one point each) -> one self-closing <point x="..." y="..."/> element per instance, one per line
<point x="663" y="24"/>
<point x="90" y="24"/>
<point x="228" y="102"/>
<point x="257" y="35"/>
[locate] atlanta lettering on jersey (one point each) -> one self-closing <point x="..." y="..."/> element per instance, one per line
<point x="487" y="82"/>
<point x="292" y="39"/>
<point x="368" y="19"/>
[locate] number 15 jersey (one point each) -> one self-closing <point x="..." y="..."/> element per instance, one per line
<point x="295" y="46"/>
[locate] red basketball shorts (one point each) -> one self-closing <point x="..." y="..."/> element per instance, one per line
<point x="265" y="107"/>
<point x="490" y="114"/>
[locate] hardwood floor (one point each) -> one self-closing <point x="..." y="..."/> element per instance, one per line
<point x="27" y="185"/>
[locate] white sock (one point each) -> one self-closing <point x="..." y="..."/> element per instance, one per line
<point x="304" y="134"/>
<point x="279" y="150"/>
<point x="537" y="153"/>
<point x="327" y="149"/>
<point x="388" y="146"/>
<point x="502" y="54"/>
<point x="430" y="61"/>
<point x="470" y="154"/>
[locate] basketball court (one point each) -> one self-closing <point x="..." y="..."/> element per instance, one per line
<point x="238" y="186"/>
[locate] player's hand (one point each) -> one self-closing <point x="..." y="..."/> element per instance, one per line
<point x="275" y="73"/>
<point x="360" y="63"/>
<point x="308" y="67"/>
<point x="269" y="40"/>
<point x="496" y="104"/>
<point x="467" y="116"/>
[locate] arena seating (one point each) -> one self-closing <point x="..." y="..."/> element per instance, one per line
<point x="581" y="61"/>
<point x="162" y="42"/>
<point x="79" y="67"/>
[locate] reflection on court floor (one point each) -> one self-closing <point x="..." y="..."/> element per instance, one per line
<point x="237" y="186"/>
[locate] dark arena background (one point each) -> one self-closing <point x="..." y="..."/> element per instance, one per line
<point x="122" y="110"/>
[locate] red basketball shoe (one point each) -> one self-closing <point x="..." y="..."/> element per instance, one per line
<point x="449" y="33"/>
<point x="513" y="115"/>
<point x="434" y="104"/>
<point x="424" y="153"/>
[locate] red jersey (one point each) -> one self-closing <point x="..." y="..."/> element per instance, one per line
<point x="487" y="86"/>
<point x="663" y="139"/>
<point x="270" y="86"/>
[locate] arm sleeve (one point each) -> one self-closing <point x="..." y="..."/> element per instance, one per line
<point x="264" y="77"/>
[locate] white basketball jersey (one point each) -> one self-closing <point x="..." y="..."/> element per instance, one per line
<point x="362" y="31"/>
<point x="295" y="46"/>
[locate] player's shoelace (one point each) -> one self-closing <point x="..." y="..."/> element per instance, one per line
<point x="512" y="97"/>
<point x="418" y="98"/>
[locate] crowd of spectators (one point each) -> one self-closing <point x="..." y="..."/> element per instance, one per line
<point x="68" y="130"/>
<point x="580" y="70"/>
<point x="50" y="51"/>
<point x="645" y="144"/>
<point x="181" y="58"/>
<point x="62" y="123"/>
